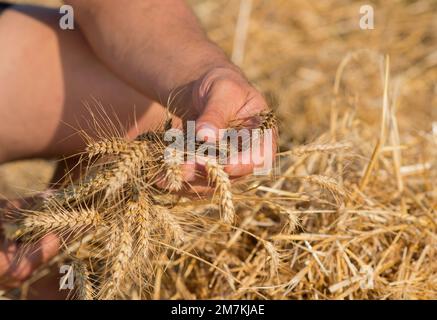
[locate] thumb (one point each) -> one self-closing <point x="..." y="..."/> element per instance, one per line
<point x="216" y="115"/>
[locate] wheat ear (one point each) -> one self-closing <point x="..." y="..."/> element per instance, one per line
<point x="169" y="224"/>
<point x="119" y="262"/>
<point x="138" y="209"/>
<point x="173" y="172"/>
<point x="84" y="287"/>
<point x="327" y="183"/>
<point x="128" y="167"/>
<point x="274" y="258"/>
<point x="80" y="192"/>
<point x="68" y="221"/>
<point x="217" y="175"/>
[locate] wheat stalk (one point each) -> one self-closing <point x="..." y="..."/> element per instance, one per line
<point x="108" y="146"/>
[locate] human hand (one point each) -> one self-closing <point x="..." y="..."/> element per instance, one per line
<point x="220" y="97"/>
<point x="17" y="262"/>
<point x="223" y="96"/>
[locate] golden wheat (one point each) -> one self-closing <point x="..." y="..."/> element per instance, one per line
<point x="173" y="171"/>
<point x="119" y="261"/>
<point x="216" y="175"/>
<point x="83" y="286"/>
<point x="105" y="147"/>
<point x="169" y="225"/>
<point x="61" y="221"/>
<point x="329" y="184"/>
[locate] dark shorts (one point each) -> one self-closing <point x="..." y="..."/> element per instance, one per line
<point x="3" y="6"/>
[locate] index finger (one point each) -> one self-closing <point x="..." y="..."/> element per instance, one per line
<point x="258" y="159"/>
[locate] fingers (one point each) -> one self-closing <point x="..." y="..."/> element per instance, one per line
<point x="198" y="188"/>
<point x="17" y="262"/>
<point x="258" y="159"/>
<point x="8" y="208"/>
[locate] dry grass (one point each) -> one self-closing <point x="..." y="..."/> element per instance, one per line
<point x="345" y="113"/>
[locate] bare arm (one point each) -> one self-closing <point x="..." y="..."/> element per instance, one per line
<point x="156" y="46"/>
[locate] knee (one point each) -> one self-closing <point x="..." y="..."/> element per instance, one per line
<point x="29" y="28"/>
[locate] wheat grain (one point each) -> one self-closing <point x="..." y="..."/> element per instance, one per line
<point x="327" y="183"/>
<point x="268" y="120"/>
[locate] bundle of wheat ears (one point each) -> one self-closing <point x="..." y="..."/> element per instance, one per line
<point x="120" y="216"/>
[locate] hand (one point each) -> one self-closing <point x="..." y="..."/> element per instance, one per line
<point x="17" y="262"/>
<point x="221" y="96"/>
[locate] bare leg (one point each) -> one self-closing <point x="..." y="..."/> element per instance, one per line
<point x="47" y="75"/>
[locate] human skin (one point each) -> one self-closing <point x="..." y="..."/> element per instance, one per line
<point x="125" y="53"/>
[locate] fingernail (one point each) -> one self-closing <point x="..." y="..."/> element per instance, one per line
<point x="206" y="132"/>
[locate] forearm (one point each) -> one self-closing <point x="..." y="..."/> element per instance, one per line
<point x="157" y="46"/>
